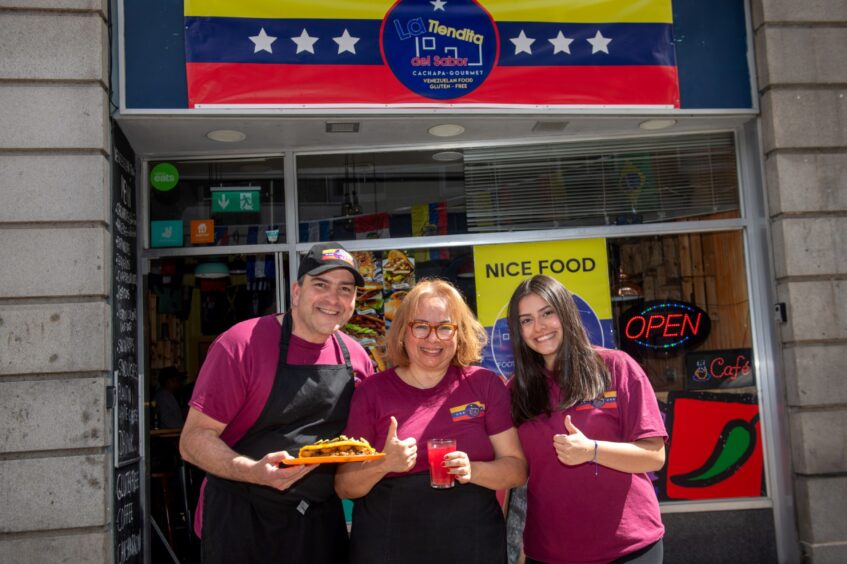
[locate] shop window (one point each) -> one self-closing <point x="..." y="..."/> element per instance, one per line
<point x="678" y="304"/>
<point x="496" y="189"/>
<point x="681" y="309"/>
<point x="216" y="203"/>
<point x="606" y="182"/>
<point x="380" y="195"/>
<point x="190" y="301"/>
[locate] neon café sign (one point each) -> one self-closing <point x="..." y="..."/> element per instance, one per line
<point x="665" y="325"/>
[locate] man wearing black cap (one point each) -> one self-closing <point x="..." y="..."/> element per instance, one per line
<point x="267" y="387"/>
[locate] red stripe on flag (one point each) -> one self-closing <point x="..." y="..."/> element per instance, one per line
<point x="236" y="83"/>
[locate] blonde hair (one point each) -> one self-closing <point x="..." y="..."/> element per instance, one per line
<point x="470" y="335"/>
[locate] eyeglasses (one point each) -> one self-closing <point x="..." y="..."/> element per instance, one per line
<point x="422" y="330"/>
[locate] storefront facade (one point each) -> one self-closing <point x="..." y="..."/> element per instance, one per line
<point x="708" y="250"/>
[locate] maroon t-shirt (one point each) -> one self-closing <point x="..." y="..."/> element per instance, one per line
<point x="469" y="404"/>
<point x="572" y="515"/>
<point x="236" y="378"/>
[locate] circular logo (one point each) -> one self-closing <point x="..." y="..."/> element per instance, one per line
<point x="439" y="49"/>
<point x="164" y="177"/>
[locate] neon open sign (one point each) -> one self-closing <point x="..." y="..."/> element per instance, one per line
<point x="665" y="324"/>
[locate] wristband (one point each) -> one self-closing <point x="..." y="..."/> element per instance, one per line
<point x="595" y="459"/>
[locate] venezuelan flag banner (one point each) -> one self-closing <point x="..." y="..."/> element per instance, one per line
<point x="442" y="53"/>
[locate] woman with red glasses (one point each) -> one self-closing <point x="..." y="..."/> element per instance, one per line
<point x="433" y="392"/>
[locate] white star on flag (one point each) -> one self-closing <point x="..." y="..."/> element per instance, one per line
<point x="523" y="44"/>
<point x="262" y="42"/>
<point x="599" y="43"/>
<point x="305" y="42"/>
<point x="438" y="5"/>
<point x="346" y="42"/>
<point x="561" y="44"/>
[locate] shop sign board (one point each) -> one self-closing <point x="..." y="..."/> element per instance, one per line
<point x="731" y="368"/>
<point x="413" y="53"/>
<point x="235" y="200"/>
<point x="665" y="325"/>
<point x="582" y="266"/>
<point x="715" y="447"/>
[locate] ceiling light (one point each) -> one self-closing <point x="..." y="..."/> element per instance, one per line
<point x="447" y="156"/>
<point x="226" y="135"/>
<point x="657" y="123"/>
<point x="446" y="130"/>
<point x="342" y="127"/>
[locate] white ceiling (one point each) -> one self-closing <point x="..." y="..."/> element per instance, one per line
<point x="156" y="136"/>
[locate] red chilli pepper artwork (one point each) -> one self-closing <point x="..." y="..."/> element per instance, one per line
<point x="715" y="448"/>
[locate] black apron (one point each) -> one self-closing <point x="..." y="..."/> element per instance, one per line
<point x="248" y="523"/>
<point x="405" y="521"/>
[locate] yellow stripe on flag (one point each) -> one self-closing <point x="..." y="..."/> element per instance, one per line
<point x="581" y="11"/>
<point x="572" y="11"/>
<point x="293" y="9"/>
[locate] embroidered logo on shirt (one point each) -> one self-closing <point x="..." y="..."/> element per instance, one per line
<point x="608" y="401"/>
<point x="467" y="411"/>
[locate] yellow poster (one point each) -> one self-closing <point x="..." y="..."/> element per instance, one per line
<point x="582" y="266"/>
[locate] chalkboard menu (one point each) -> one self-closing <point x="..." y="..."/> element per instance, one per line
<point x="127" y="516"/>
<point x="124" y="307"/>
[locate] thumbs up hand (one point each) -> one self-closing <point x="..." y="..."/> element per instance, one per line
<point x="400" y="455"/>
<point x="574" y="447"/>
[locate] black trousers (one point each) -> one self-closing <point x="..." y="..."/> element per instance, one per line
<point x="650" y="554"/>
<point x="252" y="529"/>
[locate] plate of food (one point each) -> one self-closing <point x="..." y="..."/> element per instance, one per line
<point x="335" y="451"/>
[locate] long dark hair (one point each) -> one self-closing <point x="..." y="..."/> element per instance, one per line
<point x="579" y="371"/>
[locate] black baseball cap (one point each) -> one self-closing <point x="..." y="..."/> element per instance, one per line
<point x="323" y="257"/>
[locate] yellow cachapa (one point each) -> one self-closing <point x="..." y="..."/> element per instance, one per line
<point x="339" y="446"/>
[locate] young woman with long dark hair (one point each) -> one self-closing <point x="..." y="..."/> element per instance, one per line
<point x="590" y="428"/>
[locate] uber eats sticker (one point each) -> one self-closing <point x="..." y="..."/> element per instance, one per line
<point x="582" y="266"/>
<point x="441" y="50"/>
<point x="164" y="177"/>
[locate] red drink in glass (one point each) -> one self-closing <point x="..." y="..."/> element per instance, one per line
<point x="439" y="476"/>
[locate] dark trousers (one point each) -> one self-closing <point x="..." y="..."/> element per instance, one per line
<point x="245" y="529"/>
<point x="650" y="554"/>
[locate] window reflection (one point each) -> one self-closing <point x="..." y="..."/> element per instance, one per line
<point x="376" y="196"/>
<point x="220" y="203"/>
<point x="499" y="189"/>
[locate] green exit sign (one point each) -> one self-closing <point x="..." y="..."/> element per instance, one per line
<point x="234" y="200"/>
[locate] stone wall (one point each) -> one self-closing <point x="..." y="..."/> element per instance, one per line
<point x="55" y="338"/>
<point x="802" y="73"/>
